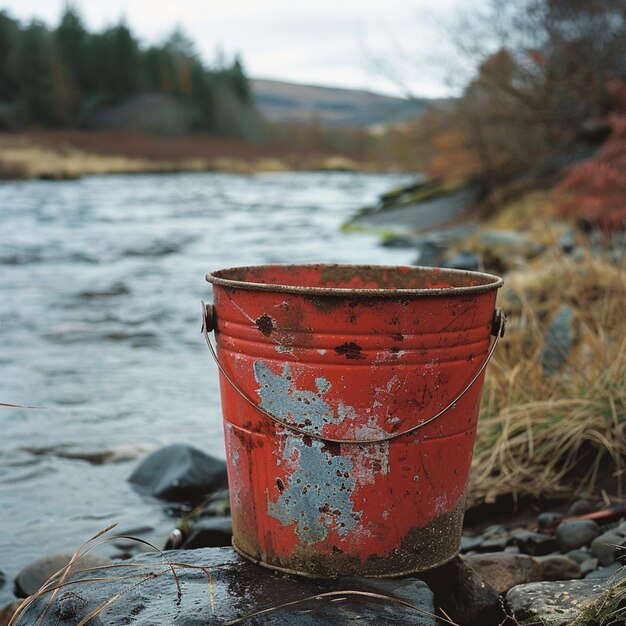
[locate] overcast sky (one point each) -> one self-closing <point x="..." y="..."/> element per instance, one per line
<point x="343" y="43"/>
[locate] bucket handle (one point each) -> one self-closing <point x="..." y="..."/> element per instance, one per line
<point x="498" y="327"/>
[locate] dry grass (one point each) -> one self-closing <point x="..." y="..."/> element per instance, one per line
<point x="73" y="153"/>
<point x="551" y="435"/>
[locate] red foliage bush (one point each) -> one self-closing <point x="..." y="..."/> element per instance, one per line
<point x="596" y="188"/>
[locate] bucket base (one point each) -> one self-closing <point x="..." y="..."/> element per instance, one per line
<point x="423" y="549"/>
<point x="296" y="572"/>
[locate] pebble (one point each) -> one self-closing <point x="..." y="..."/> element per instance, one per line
<point x="535" y="544"/>
<point x="605" y="547"/>
<point x="588" y="566"/>
<point x="581" y="507"/>
<point x="558" y="567"/>
<point x="576" y="533"/>
<point x="579" y="555"/>
<point x="34" y="575"/>
<point x="503" y="570"/>
<point x="608" y="572"/>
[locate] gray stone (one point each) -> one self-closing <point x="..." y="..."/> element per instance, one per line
<point x="464" y="595"/>
<point x="559" y="340"/>
<point x="400" y="241"/>
<point x="210" y="532"/>
<point x="558" y="567"/>
<point x="553" y="603"/>
<point x="535" y="544"/>
<point x="471" y="543"/>
<point x="34" y="575"/>
<point x="494" y="544"/>
<point x="179" y="473"/>
<point x="581" y="507"/>
<point x="575" y="534"/>
<point x="615" y="571"/>
<point x="588" y="566"/>
<point x="503" y="570"/>
<point x="495" y="530"/>
<point x="235" y="589"/>
<point x="580" y="555"/>
<point x="464" y="260"/>
<point x="608" y="546"/>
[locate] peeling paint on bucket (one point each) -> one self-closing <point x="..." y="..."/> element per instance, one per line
<point x="358" y="354"/>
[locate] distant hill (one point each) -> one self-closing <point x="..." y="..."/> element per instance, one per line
<point x="330" y="106"/>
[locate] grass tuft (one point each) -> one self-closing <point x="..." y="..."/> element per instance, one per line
<point x="550" y="435"/>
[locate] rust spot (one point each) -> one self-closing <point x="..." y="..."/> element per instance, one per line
<point x="331" y="448"/>
<point x="307" y="441"/>
<point x="280" y="484"/>
<point x="397" y="337"/>
<point x="265" y="324"/>
<point x="350" y="350"/>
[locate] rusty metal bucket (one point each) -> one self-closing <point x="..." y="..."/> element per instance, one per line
<point x="350" y="397"/>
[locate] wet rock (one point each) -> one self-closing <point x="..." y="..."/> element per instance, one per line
<point x="179" y="473"/>
<point x="558" y="567"/>
<point x="237" y="589"/>
<point x="463" y="594"/>
<point x="609" y="546"/>
<point x="471" y="543"/>
<point x="614" y="571"/>
<point x="400" y="241"/>
<point x="559" y="340"/>
<point x="588" y="566"/>
<point x="551" y="603"/>
<point x="464" y="260"/>
<point x="535" y="544"/>
<point x="210" y="532"/>
<point x="34" y="575"/>
<point x="581" y="507"/>
<point x="575" y="534"/>
<point x="503" y="570"/>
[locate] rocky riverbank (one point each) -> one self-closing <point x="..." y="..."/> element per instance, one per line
<point x="541" y="568"/>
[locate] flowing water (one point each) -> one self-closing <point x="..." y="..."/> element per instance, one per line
<point x="100" y="288"/>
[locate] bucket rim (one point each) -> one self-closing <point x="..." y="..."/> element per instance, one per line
<point x="491" y="281"/>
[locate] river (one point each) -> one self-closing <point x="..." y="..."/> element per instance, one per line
<point x="100" y="288"/>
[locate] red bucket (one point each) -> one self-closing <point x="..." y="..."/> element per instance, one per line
<point x="350" y="397"/>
